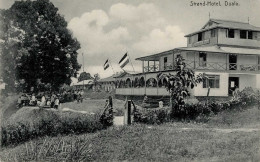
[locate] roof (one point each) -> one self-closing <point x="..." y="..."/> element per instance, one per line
<point x="215" y="49"/>
<point x="85" y="82"/>
<point x="117" y="75"/>
<point x="226" y="24"/>
<point x="108" y="79"/>
<point x="155" y="57"/>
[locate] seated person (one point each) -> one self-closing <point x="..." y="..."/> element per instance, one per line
<point x="33" y="100"/>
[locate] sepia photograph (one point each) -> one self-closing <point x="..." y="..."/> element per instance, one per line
<point x="130" y="80"/>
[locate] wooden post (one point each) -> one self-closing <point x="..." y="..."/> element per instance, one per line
<point x="110" y="104"/>
<point x="129" y="112"/>
<point x="127" y="115"/>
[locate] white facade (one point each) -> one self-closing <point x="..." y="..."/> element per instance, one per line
<point x="227" y="52"/>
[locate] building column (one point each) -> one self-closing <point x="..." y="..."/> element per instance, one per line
<point x="148" y="67"/>
<point x="143" y="65"/>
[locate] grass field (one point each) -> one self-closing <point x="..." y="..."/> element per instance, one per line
<point x="166" y="142"/>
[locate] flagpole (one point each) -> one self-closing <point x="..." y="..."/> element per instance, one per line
<point x="111" y="66"/>
<point x="131" y="61"/>
<point x="83" y="70"/>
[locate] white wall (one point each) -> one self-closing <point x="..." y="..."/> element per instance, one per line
<point x="258" y="81"/>
<point x="246" y="80"/>
<point x="222" y="39"/>
<point x="221" y="91"/>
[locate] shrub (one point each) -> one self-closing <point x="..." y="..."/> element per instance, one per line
<point x="198" y="111"/>
<point x="32" y="123"/>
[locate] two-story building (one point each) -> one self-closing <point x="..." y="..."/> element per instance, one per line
<point x="228" y="52"/>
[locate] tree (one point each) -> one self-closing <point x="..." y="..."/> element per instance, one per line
<point x="178" y="84"/>
<point x="37" y="47"/>
<point x="84" y="76"/>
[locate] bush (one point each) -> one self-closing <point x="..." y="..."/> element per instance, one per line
<point x="32" y="123"/>
<point x="198" y="111"/>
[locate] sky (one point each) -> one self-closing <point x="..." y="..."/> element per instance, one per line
<point x="107" y="29"/>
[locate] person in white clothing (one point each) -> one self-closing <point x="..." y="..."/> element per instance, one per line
<point x="43" y="101"/>
<point x="56" y="103"/>
<point x="33" y="100"/>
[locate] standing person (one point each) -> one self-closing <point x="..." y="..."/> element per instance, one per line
<point x="52" y="99"/>
<point x="78" y="96"/>
<point x="81" y="95"/>
<point x="57" y="102"/>
<point x="19" y="102"/>
<point x="43" y="101"/>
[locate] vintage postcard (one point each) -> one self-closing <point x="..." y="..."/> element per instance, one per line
<point x="129" y="80"/>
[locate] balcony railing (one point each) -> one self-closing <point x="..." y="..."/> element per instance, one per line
<point x="168" y="66"/>
<point x="222" y="66"/>
<point x="151" y="68"/>
<point x="207" y="66"/>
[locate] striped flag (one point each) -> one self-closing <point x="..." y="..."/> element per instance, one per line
<point x="106" y="65"/>
<point x="124" y="60"/>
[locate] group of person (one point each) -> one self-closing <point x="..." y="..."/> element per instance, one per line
<point x="41" y="100"/>
<point x="50" y="99"/>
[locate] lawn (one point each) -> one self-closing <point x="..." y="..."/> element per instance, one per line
<point x="96" y="105"/>
<point x="166" y="142"/>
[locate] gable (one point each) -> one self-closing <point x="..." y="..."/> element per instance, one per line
<point x="209" y="24"/>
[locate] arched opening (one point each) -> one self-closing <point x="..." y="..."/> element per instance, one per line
<point x="136" y="82"/>
<point x="121" y="84"/>
<point x="151" y="82"/>
<point x="128" y="83"/>
<point x="141" y="82"/>
<point x="165" y="82"/>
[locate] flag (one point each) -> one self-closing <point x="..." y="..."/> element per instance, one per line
<point x="124" y="60"/>
<point x="106" y="65"/>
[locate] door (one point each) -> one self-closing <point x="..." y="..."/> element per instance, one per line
<point x="232" y="62"/>
<point x="233" y="83"/>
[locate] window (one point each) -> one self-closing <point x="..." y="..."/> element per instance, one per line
<point x="213" y="32"/>
<point x="165" y="59"/>
<point x="250" y="35"/>
<point x="189" y="40"/>
<point x="211" y="81"/>
<point x="200" y="36"/>
<point x="230" y="33"/>
<point x="243" y="34"/>
<point x="202" y="59"/>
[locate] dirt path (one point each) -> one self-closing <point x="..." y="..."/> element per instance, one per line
<point x="225" y="130"/>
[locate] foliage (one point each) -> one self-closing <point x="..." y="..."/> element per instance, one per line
<point x="37" y="48"/>
<point x="199" y="111"/>
<point x="43" y="122"/>
<point x="179" y="83"/>
<point x="84" y="76"/>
